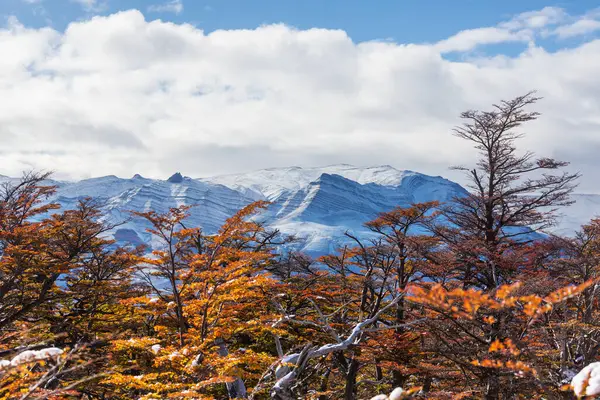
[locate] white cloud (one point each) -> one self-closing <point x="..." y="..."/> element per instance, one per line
<point x="524" y="28"/>
<point x="580" y="27"/>
<point x="572" y="26"/>
<point x="469" y="39"/>
<point x="172" y="6"/>
<point x="32" y="1"/>
<point x="122" y="95"/>
<point x="537" y="19"/>
<point x="521" y="28"/>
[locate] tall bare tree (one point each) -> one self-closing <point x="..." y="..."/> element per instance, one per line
<point x="511" y="195"/>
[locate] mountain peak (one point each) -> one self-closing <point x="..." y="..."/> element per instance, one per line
<point x="270" y="183"/>
<point x="175" y="178"/>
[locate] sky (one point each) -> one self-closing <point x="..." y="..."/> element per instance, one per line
<point x="119" y="87"/>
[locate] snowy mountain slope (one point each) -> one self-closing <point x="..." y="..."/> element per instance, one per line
<point x="317" y="205"/>
<point x="212" y="203"/>
<point x="268" y="184"/>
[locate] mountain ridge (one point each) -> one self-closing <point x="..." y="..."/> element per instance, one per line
<point x="317" y="205"/>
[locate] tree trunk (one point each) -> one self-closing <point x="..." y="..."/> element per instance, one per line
<point x="237" y="388"/>
<point x="397" y="378"/>
<point x="427" y="383"/>
<point x="492" y="390"/>
<point x="350" y="392"/>
<point x="378" y="371"/>
<point x="324" y="385"/>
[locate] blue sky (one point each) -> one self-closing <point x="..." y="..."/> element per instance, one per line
<point x="403" y="21"/>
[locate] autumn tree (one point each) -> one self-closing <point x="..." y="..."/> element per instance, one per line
<point x="521" y="357"/>
<point x="212" y="291"/>
<point x="403" y="233"/>
<point x="172" y="260"/>
<point x="574" y="332"/>
<point x="62" y="286"/>
<point x="42" y="371"/>
<point x="27" y="272"/>
<point x="356" y="296"/>
<point x="511" y="195"/>
<point x="100" y="278"/>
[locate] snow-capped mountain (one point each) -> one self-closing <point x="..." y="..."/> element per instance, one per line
<point x="212" y="203"/>
<point x="316" y="205"/>
<point x="269" y="183"/>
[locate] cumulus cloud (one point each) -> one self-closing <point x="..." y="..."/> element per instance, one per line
<point x="172" y="6"/>
<point x="537" y="19"/>
<point x="524" y="28"/>
<point x="120" y="95"/>
<point x="520" y="28"/>
<point x="469" y="39"/>
<point x="577" y="28"/>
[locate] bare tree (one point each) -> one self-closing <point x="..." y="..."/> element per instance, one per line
<point x="511" y="195"/>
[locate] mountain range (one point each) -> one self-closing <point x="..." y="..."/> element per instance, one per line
<point x="316" y="205"/>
